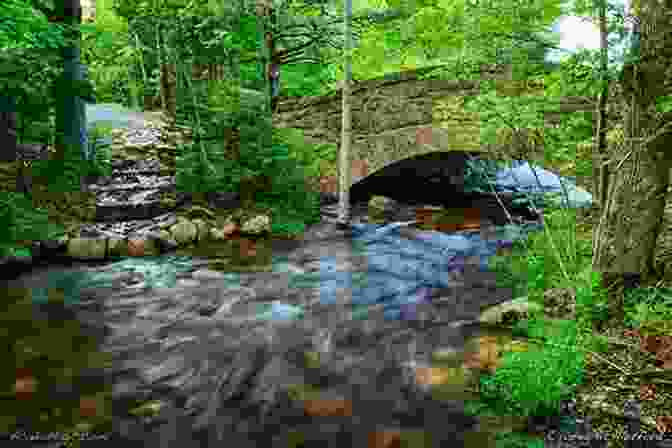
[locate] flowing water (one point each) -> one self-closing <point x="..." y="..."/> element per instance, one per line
<point x="220" y="350"/>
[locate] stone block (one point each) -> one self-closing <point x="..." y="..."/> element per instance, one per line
<point x="184" y="232"/>
<point x="165" y="235"/>
<point x="381" y="204"/>
<point x="202" y="228"/>
<point x="87" y="248"/>
<point x="117" y="247"/>
<point x="256" y="225"/>
<point x="516" y="309"/>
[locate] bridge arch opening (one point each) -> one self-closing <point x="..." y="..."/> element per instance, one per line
<point x="444" y="179"/>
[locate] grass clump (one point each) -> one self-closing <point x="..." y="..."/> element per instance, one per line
<point x="534" y="382"/>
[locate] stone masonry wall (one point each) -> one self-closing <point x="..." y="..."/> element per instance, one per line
<point x="397" y="116"/>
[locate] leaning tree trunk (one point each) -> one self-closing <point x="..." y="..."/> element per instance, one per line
<point x="625" y="239"/>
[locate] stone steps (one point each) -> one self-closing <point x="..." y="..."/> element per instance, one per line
<point x="129" y="210"/>
<point x="132" y="192"/>
<point x="128" y="205"/>
<point x="125" y="211"/>
<point x="141" y="181"/>
<point x="122" y="229"/>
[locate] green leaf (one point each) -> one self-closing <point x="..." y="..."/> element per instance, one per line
<point x="664" y="104"/>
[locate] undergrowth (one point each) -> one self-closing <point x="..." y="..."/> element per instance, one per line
<point x="559" y="258"/>
<point x="533" y="383"/>
<point x="275" y="164"/>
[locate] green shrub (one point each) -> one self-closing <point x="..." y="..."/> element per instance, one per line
<point x="536" y="271"/>
<point x="289" y="198"/>
<point x="7" y="225"/>
<point x="107" y="51"/>
<point x="647" y="304"/>
<point x="19" y="220"/>
<point x="516" y="440"/>
<point x="537" y="328"/>
<point x="263" y="153"/>
<point x="533" y="382"/>
<point x="511" y="270"/>
<point x="287" y="226"/>
<point x="309" y="156"/>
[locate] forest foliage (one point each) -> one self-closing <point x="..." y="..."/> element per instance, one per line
<point x="131" y="40"/>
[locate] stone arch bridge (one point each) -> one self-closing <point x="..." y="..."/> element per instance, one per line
<point x="400" y="116"/>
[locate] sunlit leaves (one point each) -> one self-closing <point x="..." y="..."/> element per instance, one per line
<point x="551" y="11"/>
<point x="503" y="116"/>
<point x="379" y="4"/>
<point x="664" y="104"/>
<point x="22" y="27"/>
<point x="576" y="77"/>
<point x="441" y="29"/>
<point x="438" y="28"/>
<point x="582" y="7"/>
<point x="405" y="5"/>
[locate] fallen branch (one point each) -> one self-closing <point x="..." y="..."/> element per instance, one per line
<point x="625" y="372"/>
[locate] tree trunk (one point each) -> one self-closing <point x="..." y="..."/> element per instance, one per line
<point x="344" y="173"/>
<point x="8" y="132"/>
<point x="600" y="171"/>
<point x="69" y="119"/>
<point x="625" y="239"/>
<point x="169" y="88"/>
<point x="266" y="24"/>
<point x="10" y="167"/>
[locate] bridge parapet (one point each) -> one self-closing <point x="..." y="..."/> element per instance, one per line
<point x="400" y="116"/>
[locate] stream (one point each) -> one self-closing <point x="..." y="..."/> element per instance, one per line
<point x="219" y="350"/>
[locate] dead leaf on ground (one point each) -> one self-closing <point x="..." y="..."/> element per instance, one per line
<point x="487" y="356"/>
<point x="631" y="333"/>
<point x="328" y="408"/>
<point x="661" y="346"/>
<point x="647" y="392"/>
<point x="664" y="423"/>
<point x="431" y="376"/>
<point x="88" y="406"/>
<point x="385" y="439"/>
<point x="136" y="248"/>
<point x="229" y="229"/>
<point x="25" y="384"/>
